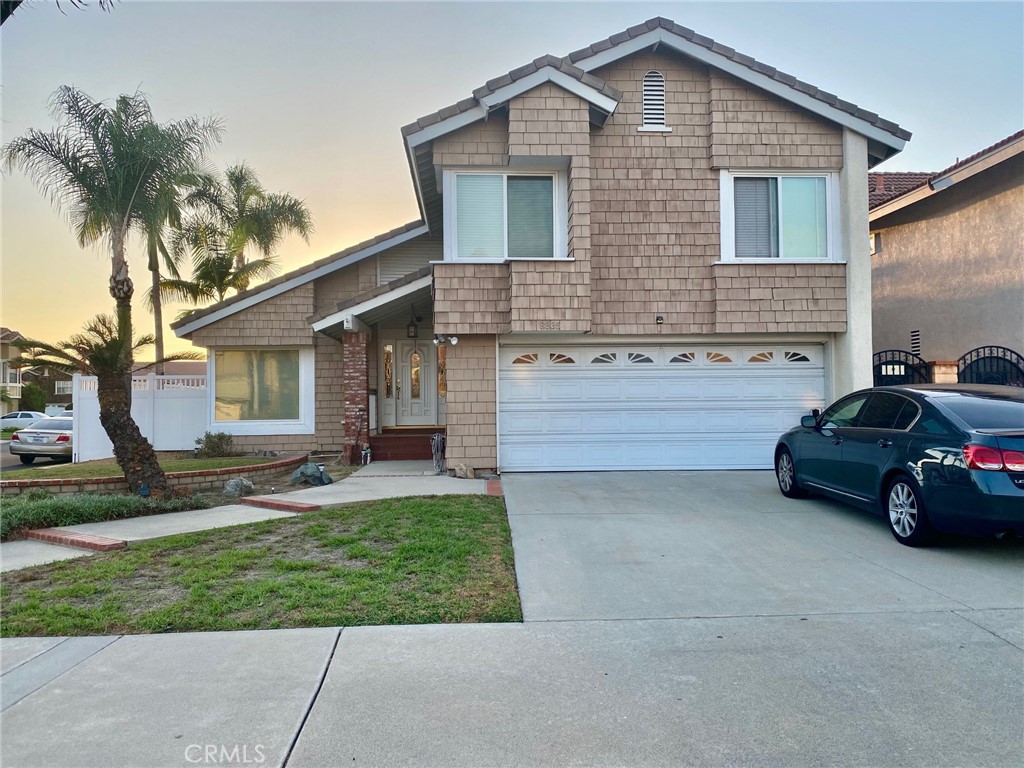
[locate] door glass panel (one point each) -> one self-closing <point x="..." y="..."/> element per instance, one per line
<point x="442" y="372"/>
<point x="881" y="411"/>
<point x="415" y="362"/>
<point x="389" y="370"/>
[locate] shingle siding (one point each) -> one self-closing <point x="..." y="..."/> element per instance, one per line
<point x="472" y="403"/>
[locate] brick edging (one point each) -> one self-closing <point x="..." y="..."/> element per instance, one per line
<point x="494" y="488"/>
<point x="265" y="502"/>
<point x="75" y="539"/>
<point x="174" y="479"/>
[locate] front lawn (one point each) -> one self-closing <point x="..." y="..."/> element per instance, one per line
<point x="109" y="468"/>
<point x="395" y="561"/>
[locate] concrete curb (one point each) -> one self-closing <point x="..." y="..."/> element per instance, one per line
<point x="75" y="539"/>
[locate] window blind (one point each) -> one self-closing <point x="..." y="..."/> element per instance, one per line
<point x="480" y="213"/>
<point x="757" y="228"/>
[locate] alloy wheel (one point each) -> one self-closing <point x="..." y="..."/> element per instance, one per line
<point x="902" y="509"/>
<point x="784" y="471"/>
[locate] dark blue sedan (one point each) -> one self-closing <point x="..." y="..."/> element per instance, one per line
<point x="930" y="457"/>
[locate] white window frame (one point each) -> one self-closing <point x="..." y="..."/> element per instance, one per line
<point x="62" y="387"/>
<point x="560" y="217"/>
<point x="304" y="425"/>
<point x="727" y="204"/>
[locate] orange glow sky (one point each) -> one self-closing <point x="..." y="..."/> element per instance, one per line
<point x="313" y="95"/>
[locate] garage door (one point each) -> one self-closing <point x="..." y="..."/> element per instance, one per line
<point x="651" y="407"/>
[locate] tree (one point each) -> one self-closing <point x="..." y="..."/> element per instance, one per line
<point x="8" y="7"/>
<point x="249" y="216"/>
<point x="214" y="267"/>
<point x="100" y="351"/>
<point x="33" y="397"/>
<point x="108" y="166"/>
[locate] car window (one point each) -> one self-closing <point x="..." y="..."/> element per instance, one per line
<point x="986" y="412"/>
<point x="64" y="425"/>
<point x="882" y="411"/>
<point x="907" y="415"/>
<point x="844" y="413"/>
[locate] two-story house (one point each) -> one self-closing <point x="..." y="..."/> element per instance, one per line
<point x="10" y="376"/>
<point x="648" y="254"/>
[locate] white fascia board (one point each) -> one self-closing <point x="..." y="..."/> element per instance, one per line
<point x="550" y="75"/>
<point x="453" y="123"/>
<point x="978" y="165"/>
<point x="355" y="310"/>
<point x="295" y="282"/>
<point x="740" y="72"/>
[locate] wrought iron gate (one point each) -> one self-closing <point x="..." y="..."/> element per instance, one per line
<point x="991" y="365"/>
<point x="897" y="366"/>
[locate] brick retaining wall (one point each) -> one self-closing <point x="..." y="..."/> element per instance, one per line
<point x="200" y="480"/>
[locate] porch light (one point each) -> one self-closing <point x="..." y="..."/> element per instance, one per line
<point x="412" y="330"/>
<point x="442" y="339"/>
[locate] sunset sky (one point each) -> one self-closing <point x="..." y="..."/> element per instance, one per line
<point x="313" y="95"/>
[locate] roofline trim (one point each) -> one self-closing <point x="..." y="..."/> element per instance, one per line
<point x="549" y="74"/>
<point x="717" y="60"/>
<point x="946" y="180"/>
<point x="373" y="303"/>
<point x="295" y="282"/>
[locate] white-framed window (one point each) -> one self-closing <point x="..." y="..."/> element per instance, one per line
<point x="496" y="215"/>
<point x="262" y="391"/>
<point x="779" y="216"/>
<point x="62" y="387"/>
<point x="653" y="90"/>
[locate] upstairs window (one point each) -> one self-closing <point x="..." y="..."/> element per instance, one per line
<point x="499" y="216"/>
<point x="784" y="217"/>
<point x="654" y="102"/>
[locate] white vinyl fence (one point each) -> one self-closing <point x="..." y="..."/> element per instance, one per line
<point x="170" y="411"/>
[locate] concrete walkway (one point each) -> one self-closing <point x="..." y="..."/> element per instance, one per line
<point x="380" y="480"/>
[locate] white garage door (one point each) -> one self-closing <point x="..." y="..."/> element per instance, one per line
<point x="652" y="407"/>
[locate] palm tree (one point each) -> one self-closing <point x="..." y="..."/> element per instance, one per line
<point x="214" y="267"/>
<point x="108" y="166"/>
<point x="248" y="215"/>
<point x="100" y="351"/>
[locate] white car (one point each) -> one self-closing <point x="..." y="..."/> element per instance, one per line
<point x="20" y="419"/>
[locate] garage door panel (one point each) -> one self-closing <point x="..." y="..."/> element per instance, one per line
<point x="678" y="411"/>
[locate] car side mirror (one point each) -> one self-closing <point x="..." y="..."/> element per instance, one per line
<point x="809" y="422"/>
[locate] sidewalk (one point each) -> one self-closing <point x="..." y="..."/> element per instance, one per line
<point x="380" y="480"/>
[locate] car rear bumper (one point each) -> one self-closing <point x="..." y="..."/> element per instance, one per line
<point x="992" y="503"/>
<point x="30" y="449"/>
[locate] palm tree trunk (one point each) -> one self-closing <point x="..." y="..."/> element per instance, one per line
<point x="133" y="452"/>
<point x="158" y="310"/>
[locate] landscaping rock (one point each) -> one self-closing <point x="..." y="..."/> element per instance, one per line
<point x="237" y="487"/>
<point x="463" y="472"/>
<point x="311" y="474"/>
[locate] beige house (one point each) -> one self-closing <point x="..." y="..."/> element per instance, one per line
<point x="10" y="376"/>
<point x="948" y="266"/>
<point x="647" y="254"/>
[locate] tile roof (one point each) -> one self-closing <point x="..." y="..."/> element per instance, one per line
<point x="200" y="313"/>
<point x="7" y="334"/>
<point x="883" y="187"/>
<point x="379" y="290"/>
<point x="566" y="64"/>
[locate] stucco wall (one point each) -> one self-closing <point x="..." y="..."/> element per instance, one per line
<point x="952" y="266"/>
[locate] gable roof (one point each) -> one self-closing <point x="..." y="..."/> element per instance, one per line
<point x="889" y="192"/>
<point x="286" y="282"/>
<point x="575" y="73"/>
<point x="7" y="334"/>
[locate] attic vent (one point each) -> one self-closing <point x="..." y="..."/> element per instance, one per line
<point x="654" y="100"/>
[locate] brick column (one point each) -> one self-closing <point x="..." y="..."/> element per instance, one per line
<point x="354" y="384"/>
<point x="944" y="371"/>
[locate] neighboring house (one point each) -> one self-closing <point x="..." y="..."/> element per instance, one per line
<point x="56" y="385"/>
<point x="10" y="377"/>
<point x="651" y="253"/>
<point x="948" y="269"/>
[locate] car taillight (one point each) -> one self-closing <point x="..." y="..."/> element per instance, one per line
<point x="62" y="439"/>
<point x="993" y="459"/>
<point x="15" y="438"/>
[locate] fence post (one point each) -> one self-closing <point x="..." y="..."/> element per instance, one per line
<point x="76" y="431"/>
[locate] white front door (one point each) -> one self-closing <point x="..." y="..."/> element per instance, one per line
<point x="416" y="383"/>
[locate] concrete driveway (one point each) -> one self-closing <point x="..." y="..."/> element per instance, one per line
<point x="666" y="545"/>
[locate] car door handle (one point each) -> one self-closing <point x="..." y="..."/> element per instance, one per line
<point x="837" y="441"/>
<point x="883" y="443"/>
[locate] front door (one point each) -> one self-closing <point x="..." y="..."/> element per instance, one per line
<point x="416" y="383"/>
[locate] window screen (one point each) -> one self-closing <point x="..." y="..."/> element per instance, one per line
<point x="804" y="229"/>
<point x="757" y="226"/>
<point x="480" y="215"/>
<point x="256" y="385"/>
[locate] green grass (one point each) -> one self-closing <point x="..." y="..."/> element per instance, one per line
<point x="109" y="468"/>
<point x="396" y="561"/>
<point x="6" y="433"/>
<point x="39" y="509"/>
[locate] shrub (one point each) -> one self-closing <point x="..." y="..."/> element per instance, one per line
<point x="33" y="398"/>
<point x="215" y="445"/>
<point x="39" y="509"/>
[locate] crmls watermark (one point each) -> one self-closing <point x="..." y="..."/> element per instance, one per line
<point x="222" y="754"/>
